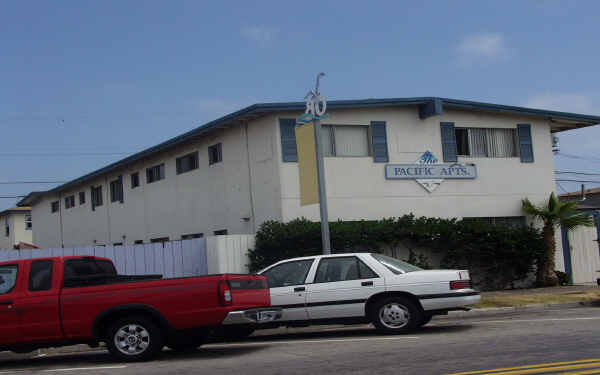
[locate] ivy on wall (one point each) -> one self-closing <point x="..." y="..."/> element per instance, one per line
<point x="497" y="256"/>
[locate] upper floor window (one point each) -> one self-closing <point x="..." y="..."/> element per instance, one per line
<point x="54" y="206"/>
<point x="346" y="140"/>
<point x="215" y="154"/>
<point x="222" y="232"/>
<point x="69" y="201"/>
<point x="28" y="222"/>
<point x="187" y="163"/>
<point x="82" y="197"/>
<point x="135" y="180"/>
<point x="155" y="173"/>
<point x="116" y="190"/>
<point x="191" y="236"/>
<point x="6" y="227"/>
<point x="96" y="196"/>
<point x="486" y="142"/>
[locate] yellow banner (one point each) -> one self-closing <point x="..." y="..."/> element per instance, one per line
<point x="307" y="164"/>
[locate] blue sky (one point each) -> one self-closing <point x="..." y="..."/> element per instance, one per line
<point x="84" y="83"/>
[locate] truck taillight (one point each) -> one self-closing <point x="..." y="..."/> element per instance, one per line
<point x="460" y="284"/>
<point x="225" y="293"/>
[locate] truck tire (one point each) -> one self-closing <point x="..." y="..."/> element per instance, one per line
<point x="395" y="315"/>
<point x="134" y="338"/>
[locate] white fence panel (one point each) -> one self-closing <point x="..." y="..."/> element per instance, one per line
<point x="169" y="260"/>
<point x="585" y="257"/>
<point x="228" y="254"/>
<point x="177" y="259"/>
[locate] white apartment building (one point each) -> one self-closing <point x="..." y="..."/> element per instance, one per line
<point x="16" y="227"/>
<point x="232" y="174"/>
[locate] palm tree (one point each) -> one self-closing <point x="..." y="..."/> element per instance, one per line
<point x="553" y="214"/>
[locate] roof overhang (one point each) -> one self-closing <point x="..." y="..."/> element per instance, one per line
<point x="427" y="107"/>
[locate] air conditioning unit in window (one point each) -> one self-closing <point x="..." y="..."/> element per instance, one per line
<point x="555" y="144"/>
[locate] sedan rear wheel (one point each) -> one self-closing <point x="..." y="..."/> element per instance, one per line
<point x="395" y="315"/>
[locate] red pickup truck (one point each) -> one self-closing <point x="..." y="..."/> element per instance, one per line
<point x="72" y="300"/>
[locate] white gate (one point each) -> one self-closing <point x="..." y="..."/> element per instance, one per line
<point x="170" y="259"/>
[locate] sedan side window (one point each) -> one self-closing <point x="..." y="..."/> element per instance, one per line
<point x="8" y="278"/>
<point x="288" y="274"/>
<point x="342" y="269"/>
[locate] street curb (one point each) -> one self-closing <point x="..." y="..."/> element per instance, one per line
<point x="517" y="309"/>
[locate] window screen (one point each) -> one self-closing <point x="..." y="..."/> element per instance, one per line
<point x="40" y="275"/>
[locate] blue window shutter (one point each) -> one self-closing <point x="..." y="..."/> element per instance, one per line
<point x="525" y="143"/>
<point x="288" y="139"/>
<point x="448" y="141"/>
<point x="379" y="140"/>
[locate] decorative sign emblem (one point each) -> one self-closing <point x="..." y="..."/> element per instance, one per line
<point x="316" y="105"/>
<point x="429" y="173"/>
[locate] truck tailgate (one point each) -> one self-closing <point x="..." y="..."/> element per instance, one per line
<point x="249" y="291"/>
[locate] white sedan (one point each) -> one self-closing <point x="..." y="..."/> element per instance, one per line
<point x="395" y="296"/>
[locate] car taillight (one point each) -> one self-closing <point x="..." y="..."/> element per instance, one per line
<point x="225" y="293"/>
<point x="460" y="284"/>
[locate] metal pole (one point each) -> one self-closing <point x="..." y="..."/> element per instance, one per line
<point x="322" y="192"/>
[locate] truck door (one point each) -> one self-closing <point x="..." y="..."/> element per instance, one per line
<point x="10" y="331"/>
<point x="39" y="305"/>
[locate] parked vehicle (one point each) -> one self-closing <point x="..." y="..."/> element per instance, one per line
<point x="70" y="300"/>
<point x="395" y="296"/>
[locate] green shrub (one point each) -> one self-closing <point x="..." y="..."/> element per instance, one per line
<point x="496" y="256"/>
<point x="563" y="278"/>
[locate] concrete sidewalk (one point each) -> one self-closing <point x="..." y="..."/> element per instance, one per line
<point x="551" y="290"/>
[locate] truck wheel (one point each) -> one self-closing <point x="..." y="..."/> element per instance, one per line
<point x="395" y="315"/>
<point x="134" y="338"/>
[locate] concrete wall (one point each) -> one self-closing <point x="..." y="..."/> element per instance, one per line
<point x="357" y="188"/>
<point x="210" y="198"/>
<point x="18" y="232"/>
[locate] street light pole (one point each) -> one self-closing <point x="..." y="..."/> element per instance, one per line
<point x="322" y="191"/>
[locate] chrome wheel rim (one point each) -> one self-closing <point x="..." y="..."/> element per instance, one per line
<point x="132" y="339"/>
<point x="394" y="315"/>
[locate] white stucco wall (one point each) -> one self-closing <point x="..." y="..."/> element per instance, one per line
<point x="252" y="181"/>
<point x="17" y="233"/>
<point x="210" y="198"/>
<point x="357" y="188"/>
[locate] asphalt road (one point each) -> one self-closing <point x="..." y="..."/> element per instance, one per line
<point x="445" y="346"/>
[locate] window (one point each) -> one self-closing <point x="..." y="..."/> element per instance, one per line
<point x="28" y="222"/>
<point x="222" y="232"/>
<point x="138" y="242"/>
<point x="8" y="278"/>
<point x="69" y="202"/>
<point x="54" y="206"/>
<point x="342" y="269"/>
<point x="159" y="239"/>
<point x="187" y="163"/>
<point x="190" y="236"/>
<point x="87" y="272"/>
<point x="116" y="190"/>
<point x="96" y="196"/>
<point x="215" y="154"/>
<point x="288" y="274"/>
<point x="485" y="142"/>
<point x="118" y="244"/>
<point x="40" y="275"/>
<point x="81" y="197"/>
<point x="345" y="140"/>
<point x="135" y="180"/>
<point x="155" y="173"/>
<point x="6" y="227"/>
<point x="509" y="221"/>
<point x="395" y="265"/>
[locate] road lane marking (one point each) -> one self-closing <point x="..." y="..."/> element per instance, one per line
<point x="529" y="320"/>
<point x="586" y="372"/>
<point x="258" y="343"/>
<point x="539" y="368"/>
<point x="37" y="369"/>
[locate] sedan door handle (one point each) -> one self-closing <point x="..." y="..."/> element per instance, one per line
<point x="299" y="289"/>
<point x="6" y="302"/>
<point x="367" y="283"/>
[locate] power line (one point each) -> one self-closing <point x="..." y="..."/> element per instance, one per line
<point x="586" y="181"/>
<point x="561" y="187"/>
<point x="571" y="156"/>
<point x="581" y="173"/>
<point x="66" y="154"/>
<point x="30" y="182"/>
<point x="12" y="197"/>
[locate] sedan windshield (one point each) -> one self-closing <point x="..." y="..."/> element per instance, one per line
<point x="395" y="265"/>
